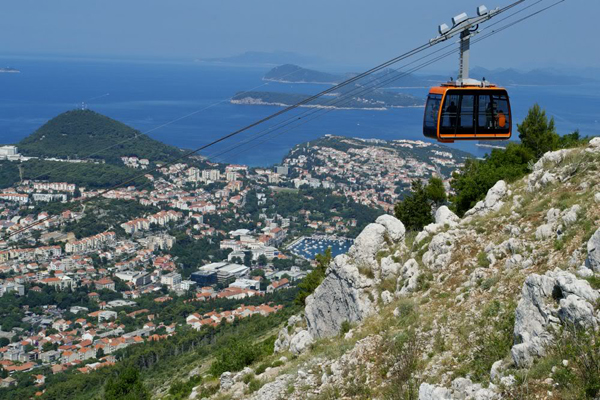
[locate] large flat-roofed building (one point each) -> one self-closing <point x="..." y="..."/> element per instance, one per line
<point x="204" y="278"/>
<point x="225" y="271"/>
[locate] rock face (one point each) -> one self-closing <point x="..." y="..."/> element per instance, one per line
<point x="593" y="248"/>
<point x="348" y="292"/>
<point x="548" y="300"/>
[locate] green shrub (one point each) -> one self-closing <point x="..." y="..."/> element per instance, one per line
<point x="482" y="260"/>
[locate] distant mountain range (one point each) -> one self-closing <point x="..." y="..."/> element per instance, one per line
<point x="264" y="58"/>
<point x="389" y="78"/>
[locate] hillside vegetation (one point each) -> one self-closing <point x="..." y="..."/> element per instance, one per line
<point x="89" y="135"/>
<point x="502" y="303"/>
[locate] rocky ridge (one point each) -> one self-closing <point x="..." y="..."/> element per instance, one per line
<point x="465" y="309"/>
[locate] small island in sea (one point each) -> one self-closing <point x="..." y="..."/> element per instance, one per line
<point x="9" y="70"/>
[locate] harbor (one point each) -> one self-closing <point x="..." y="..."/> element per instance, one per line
<point x="309" y="246"/>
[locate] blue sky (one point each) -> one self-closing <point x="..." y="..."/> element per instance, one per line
<point x="344" y="32"/>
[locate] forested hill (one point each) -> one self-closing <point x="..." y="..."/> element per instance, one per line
<point x="87" y="134"/>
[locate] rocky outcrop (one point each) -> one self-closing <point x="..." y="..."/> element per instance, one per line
<point x="349" y="291"/>
<point x="492" y="202"/>
<point x="547" y="301"/>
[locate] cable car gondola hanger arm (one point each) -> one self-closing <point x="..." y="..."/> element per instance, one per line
<point x="467" y="27"/>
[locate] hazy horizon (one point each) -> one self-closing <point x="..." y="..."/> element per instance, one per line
<point x="342" y="33"/>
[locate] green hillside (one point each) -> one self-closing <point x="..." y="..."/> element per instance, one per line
<point x="87" y="134"/>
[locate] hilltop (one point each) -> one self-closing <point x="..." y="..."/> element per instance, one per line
<point x="89" y="135"/>
<point x="502" y="303"/>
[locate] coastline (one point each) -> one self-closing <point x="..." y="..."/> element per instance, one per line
<point x="250" y="101"/>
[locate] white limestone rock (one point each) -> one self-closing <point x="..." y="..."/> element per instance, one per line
<point x="386" y="297"/>
<point x="513" y="262"/>
<point x="368" y="244"/>
<point x="432" y="392"/>
<point x="395" y="228"/>
<point x="226" y="381"/>
<point x="300" y="342"/>
<point x="282" y="343"/>
<point x="597" y="197"/>
<point x="408" y="280"/>
<point x="389" y="267"/>
<point x="273" y="390"/>
<point x="546" y="301"/>
<point x="570" y="215"/>
<point x="593" y="248"/>
<point x="344" y="295"/>
<point x="493" y="200"/>
<point x="439" y="252"/>
<point x="443" y="216"/>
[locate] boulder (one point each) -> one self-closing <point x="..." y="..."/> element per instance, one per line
<point x="344" y="295"/>
<point x="547" y="301"/>
<point x="597" y="197"/>
<point x="552" y="157"/>
<point x="443" y="216"/>
<point x="431" y="392"/>
<point x="395" y="228"/>
<point x="300" y="342"/>
<point x="570" y="215"/>
<point x="492" y="202"/>
<point x="386" y="297"/>
<point x="593" y="248"/>
<point x="366" y="246"/>
<point x="226" y="380"/>
<point x="440" y="251"/>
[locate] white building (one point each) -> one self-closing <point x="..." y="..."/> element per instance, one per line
<point x="171" y="279"/>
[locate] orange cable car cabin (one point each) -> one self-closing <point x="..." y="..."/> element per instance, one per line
<point x="467" y="113"/>
<point x="466" y="109"/>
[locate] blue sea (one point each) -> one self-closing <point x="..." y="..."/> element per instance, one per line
<point x="149" y="94"/>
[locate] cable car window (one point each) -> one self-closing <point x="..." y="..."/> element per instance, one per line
<point x="432" y="109"/>
<point x="450" y="112"/>
<point x="501" y="115"/>
<point x="466" y="110"/>
<point x="486" y="112"/>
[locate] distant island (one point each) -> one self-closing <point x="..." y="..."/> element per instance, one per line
<point x="374" y="100"/>
<point x="9" y="70"/>
<point x="391" y="78"/>
<point x="290" y="73"/>
<point x="263" y="58"/>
